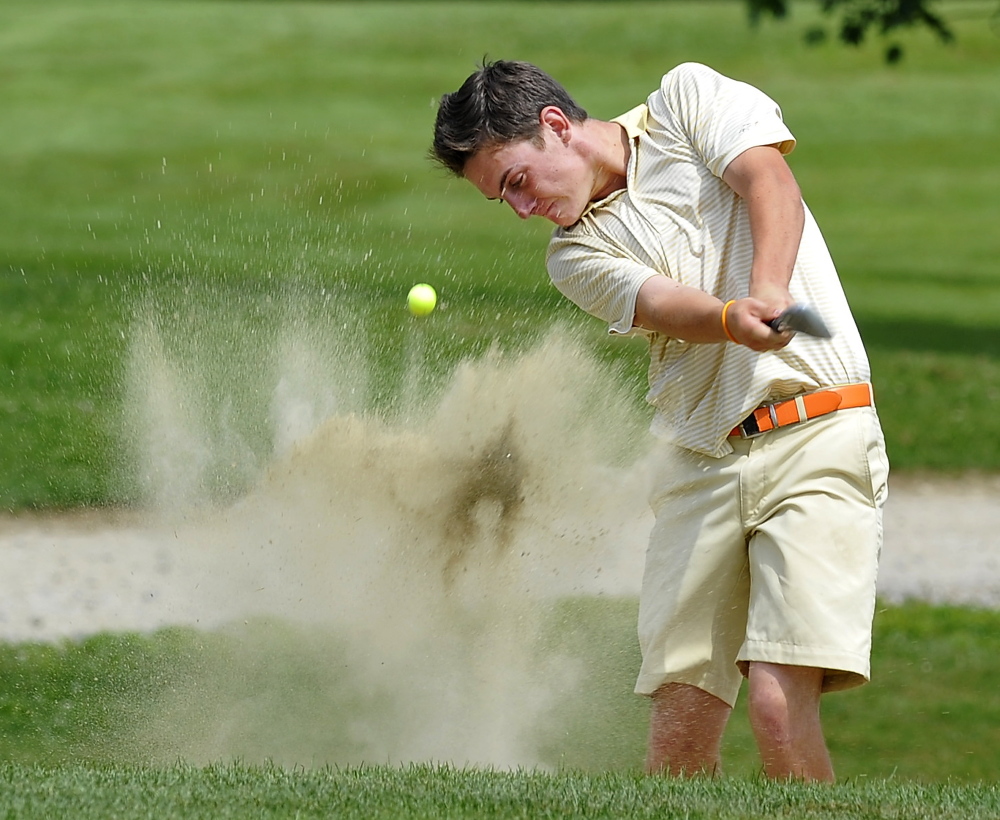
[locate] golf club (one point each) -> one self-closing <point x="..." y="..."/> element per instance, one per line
<point x="803" y="319"/>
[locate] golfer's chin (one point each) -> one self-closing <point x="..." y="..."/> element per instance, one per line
<point x="564" y="217"/>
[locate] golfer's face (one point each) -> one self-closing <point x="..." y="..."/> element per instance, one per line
<point x="548" y="181"/>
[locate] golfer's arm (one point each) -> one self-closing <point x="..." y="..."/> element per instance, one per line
<point x="762" y="178"/>
<point x="679" y="311"/>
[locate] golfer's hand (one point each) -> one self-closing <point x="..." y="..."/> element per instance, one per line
<point x="746" y="320"/>
<point x="775" y="296"/>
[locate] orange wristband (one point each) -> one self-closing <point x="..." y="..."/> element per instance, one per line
<point x="725" y="327"/>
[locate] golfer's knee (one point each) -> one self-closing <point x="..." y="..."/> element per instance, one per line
<point x="769" y="713"/>
<point x="686" y="726"/>
<point x="781" y="698"/>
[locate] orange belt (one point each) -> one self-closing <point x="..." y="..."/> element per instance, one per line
<point x="803" y="408"/>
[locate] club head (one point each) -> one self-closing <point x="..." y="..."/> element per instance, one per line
<point x="802" y="319"/>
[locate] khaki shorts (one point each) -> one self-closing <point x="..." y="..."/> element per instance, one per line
<point x="768" y="554"/>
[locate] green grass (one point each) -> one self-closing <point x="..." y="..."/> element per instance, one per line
<point x="276" y="693"/>
<point x="218" y="177"/>
<point x="426" y="791"/>
<point x="83" y="732"/>
<point x="183" y="158"/>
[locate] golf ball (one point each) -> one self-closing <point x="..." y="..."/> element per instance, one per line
<point x="421" y="299"/>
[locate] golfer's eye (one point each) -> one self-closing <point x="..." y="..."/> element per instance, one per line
<point x="516" y="182"/>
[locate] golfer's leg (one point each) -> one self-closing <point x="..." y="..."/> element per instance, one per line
<point x="784" y="714"/>
<point x="685" y="731"/>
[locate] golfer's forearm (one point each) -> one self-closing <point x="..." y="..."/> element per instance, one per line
<point x="679" y="311"/>
<point x="762" y="178"/>
<point x="776" y="222"/>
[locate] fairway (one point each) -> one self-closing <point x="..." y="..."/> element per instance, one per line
<point x="236" y="791"/>
<point x="210" y="218"/>
<point x="293" y="695"/>
<point x="224" y="163"/>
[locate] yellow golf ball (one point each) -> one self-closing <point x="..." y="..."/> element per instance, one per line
<point x="421" y="299"/>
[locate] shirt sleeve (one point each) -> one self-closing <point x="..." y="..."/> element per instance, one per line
<point x="597" y="278"/>
<point x="720" y="117"/>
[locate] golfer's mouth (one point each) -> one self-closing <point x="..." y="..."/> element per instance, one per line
<point x="548" y="211"/>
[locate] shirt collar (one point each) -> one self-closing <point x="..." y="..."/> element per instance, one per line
<point x="634" y="121"/>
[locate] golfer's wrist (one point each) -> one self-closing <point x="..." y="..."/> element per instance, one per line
<point x="725" y="321"/>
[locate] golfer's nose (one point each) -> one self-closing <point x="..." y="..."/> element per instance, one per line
<point x="522" y="203"/>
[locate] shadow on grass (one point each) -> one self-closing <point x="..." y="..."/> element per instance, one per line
<point x="916" y="335"/>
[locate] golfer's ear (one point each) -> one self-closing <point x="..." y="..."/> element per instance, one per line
<point x="553" y="118"/>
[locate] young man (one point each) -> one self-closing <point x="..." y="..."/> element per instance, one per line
<point x="681" y="220"/>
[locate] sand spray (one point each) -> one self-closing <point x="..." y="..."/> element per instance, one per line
<point x="387" y="578"/>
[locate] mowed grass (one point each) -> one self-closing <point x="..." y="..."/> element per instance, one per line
<point x="76" y="720"/>
<point x="237" y="157"/>
<point x="929" y="715"/>
<point x="426" y="791"/>
<point x="224" y="166"/>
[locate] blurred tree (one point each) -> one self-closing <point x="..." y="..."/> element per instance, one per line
<point x="855" y="18"/>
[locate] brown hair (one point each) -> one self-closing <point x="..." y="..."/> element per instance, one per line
<point x="499" y="103"/>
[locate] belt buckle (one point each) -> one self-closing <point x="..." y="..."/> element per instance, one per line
<point x="746" y="431"/>
<point x="749" y="428"/>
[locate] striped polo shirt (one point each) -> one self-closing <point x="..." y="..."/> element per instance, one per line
<point x="677" y="218"/>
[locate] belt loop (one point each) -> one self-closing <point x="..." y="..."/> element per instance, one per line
<point x="773" y="413"/>
<point x="800" y="405"/>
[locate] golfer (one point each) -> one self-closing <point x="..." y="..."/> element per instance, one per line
<point x="681" y="221"/>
